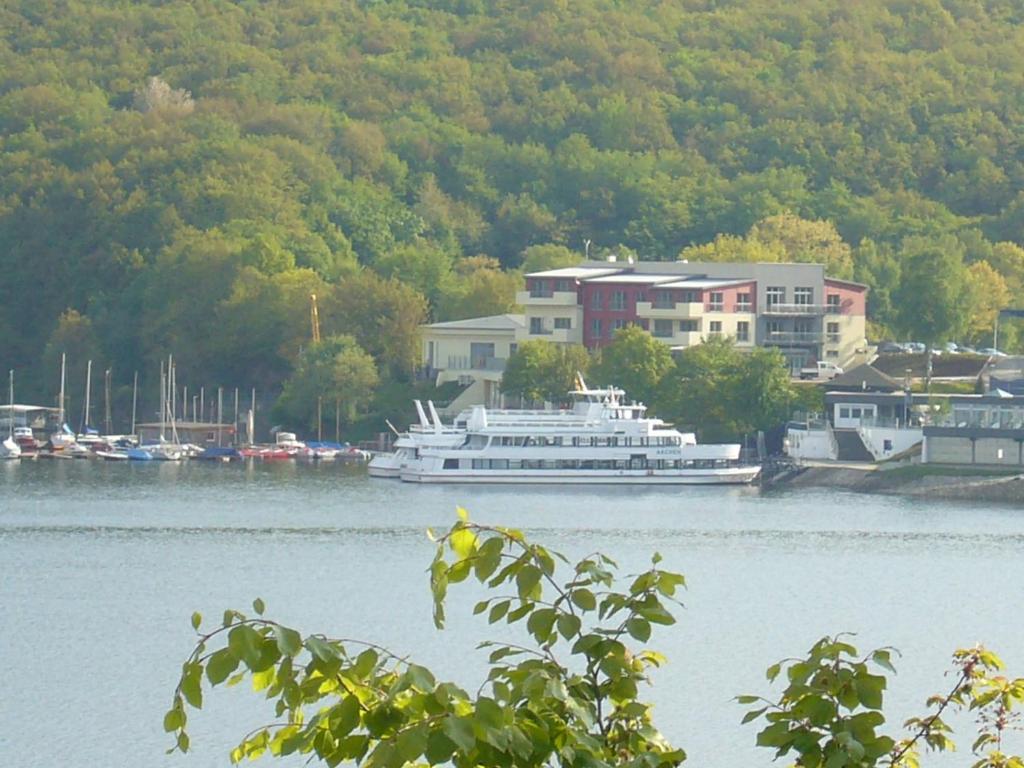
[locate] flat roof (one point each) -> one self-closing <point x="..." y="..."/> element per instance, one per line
<point x="489" y="323"/>
<point x="702" y="284"/>
<point x="632" y="277"/>
<point x="576" y="272"/>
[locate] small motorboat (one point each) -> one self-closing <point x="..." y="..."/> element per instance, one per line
<point x="9" y="449"/>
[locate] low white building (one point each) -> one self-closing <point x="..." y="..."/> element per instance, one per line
<point x="472" y="352"/>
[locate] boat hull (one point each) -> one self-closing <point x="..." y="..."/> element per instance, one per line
<point x="724" y="476"/>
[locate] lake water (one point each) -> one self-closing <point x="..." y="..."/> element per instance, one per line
<point x="102" y="564"/>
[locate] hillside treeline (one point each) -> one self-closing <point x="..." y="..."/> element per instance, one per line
<point x="181" y="175"/>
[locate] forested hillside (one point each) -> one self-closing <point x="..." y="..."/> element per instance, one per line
<point x="181" y="175"/>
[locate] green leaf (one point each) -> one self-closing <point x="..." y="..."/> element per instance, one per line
<point x="460" y="731"/>
<point x="258" y="606"/>
<point x="639" y="629"/>
<point x="321" y="649"/>
<point x="773" y="672"/>
<point x="439" y="748"/>
<point x="583" y="598"/>
<point x="191" y="686"/>
<point x="197" y="619"/>
<point x="463" y="514"/>
<point x="463" y="542"/>
<point x="498" y="610"/>
<point x="289" y="642"/>
<point x="568" y="625"/>
<point x="753" y="714"/>
<point x="411" y="743"/>
<point x="174" y="719"/>
<point x="527" y="580"/>
<point x="365" y="662"/>
<point x="540" y="623"/>
<point x="220" y="664"/>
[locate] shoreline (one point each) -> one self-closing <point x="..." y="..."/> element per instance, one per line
<point x="915" y="481"/>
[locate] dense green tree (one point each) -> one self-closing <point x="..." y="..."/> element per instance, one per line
<point x="934" y="290"/>
<point x="541" y="371"/>
<point x="334" y="371"/>
<point x="634" y="361"/>
<point x="479" y="288"/>
<point x="401" y="137"/>
<point x="723" y="393"/>
<point x="538" y="258"/>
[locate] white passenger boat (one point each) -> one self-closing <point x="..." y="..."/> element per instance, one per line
<point x="429" y="432"/>
<point x="599" y="440"/>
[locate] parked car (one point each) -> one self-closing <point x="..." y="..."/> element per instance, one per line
<point x="821" y="370"/>
<point x="914" y="346"/>
<point x="889" y="348"/>
<point x="991" y="352"/>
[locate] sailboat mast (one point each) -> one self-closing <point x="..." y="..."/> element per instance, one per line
<point x="10" y="411"/>
<point x="163" y="399"/>
<point x="60" y="405"/>
<point x="88" y="390"/>
<point x="135" y="398"/>
<point x="107" y="426"/>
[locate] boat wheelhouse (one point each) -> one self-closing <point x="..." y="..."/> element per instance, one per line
<point x="601" y="439"/>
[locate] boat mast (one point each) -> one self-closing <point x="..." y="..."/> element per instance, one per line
<point x="60" y="404"/>
<point x="107" y="426"/>
<point x="10" y="411"/>
<point x="88" y="388"/>
<point x="135" y="398"/>
<point x="163" y="400"/>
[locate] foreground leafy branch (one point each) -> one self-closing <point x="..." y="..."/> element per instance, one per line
<point x="571" y="698"/>
<point x="830" y="711"/>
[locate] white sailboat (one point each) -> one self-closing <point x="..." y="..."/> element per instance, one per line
<point x="9" y="449"/>
<point x="64" y="437"/>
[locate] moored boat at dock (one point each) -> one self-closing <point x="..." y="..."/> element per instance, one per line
<point x="601" y="439"/>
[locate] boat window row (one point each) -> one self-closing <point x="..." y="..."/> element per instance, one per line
<point x="577" y="441"/>
<point x="573" y="464"/>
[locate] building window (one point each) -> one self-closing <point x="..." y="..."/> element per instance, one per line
<point x="802" y="330"/>
<point x="689" y="326"/>
<point x="563" y="322"/>
<point x="803" y="297"/>
<point x="597" y="300"/>
<point x="833" y="303"/>
<point x="536" y="325"/>
<point x="716" y="304"/>
<point x="774" y="328"/>
<point x="691" y="297"/>
<point x="742" y="331"/>
<point x="844" y="413"/>
<point x="833" y="333"/>
<point x="540" y="289"/>
<point x="716" y="328"/>
<point x="595" y="328"/>
<point x="664" y="300"/>
<point x="616" y="325"/>
<point x="618" y="301"/>
<point x="512" y="348"/>
<point x="775" y="294"/>
<point x="662" y="328"/>
<point x="562" y="286"/>
<point x="832" y="353"/>
<point x="742" y="302"/>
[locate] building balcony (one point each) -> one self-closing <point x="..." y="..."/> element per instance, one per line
<point x="679" y="310"/>
<point x="554" y="299"/>
<point x="468" y="363"/>
<point x="801" y="310"/>
<point x="557" y="335"/>
<point x="794" y="337"/>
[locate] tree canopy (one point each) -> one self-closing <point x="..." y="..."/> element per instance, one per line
<point x="153" y="156"/>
